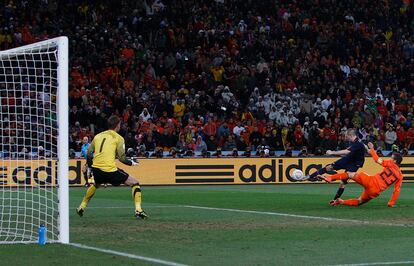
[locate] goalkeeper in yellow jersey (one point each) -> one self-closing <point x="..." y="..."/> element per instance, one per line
<point x="105" y="147"/>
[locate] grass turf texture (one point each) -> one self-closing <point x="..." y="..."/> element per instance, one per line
<point x="212" y="237"/>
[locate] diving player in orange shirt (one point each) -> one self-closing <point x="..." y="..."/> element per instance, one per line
<point x="374" y="185"/>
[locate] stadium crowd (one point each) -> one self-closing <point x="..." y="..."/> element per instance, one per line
<point x="194" y="76"/>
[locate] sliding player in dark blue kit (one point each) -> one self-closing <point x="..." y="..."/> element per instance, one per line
<point x="353" y="159"/>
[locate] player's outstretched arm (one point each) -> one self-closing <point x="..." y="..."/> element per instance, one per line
<point x="395" y="194"/>
<point x="377" y="159"/>
<point x="371" y="150"/>
<point x="338" y="153"/>
<point x="375" y="156"/>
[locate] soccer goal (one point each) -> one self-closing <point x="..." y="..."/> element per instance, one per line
<point x="34" y="142"/>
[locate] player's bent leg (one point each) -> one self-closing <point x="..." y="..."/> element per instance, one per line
<point x="324" y="170"/>
<point x="351" y="174"/>
<point x="368" y="194"/>
<point x="363" y="179"/>
<point x="339" y="192"/>
<point x="338" y="176"/>
<point x="364" y="198"/>
<point x="136" y="195"/>
<point x="88" y="196"/>
<point x="349" y="202"/>
<point x="350" y="169"/>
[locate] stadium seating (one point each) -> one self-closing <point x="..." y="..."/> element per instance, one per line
<point x="239" y="75"/>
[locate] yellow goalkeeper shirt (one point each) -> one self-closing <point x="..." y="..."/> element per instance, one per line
<point x="105" y="147"/>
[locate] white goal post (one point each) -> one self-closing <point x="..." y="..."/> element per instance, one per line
<point x="34" y="150"/>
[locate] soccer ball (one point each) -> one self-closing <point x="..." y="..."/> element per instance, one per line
<point x="297" y="175"/>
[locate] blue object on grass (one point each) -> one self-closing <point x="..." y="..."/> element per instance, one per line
<point x="42" y="235"/>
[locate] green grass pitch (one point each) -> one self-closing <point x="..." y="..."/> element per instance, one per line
<point x="195" y="236"/>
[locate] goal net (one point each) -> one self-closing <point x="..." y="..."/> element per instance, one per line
<point x="34" y="142"/>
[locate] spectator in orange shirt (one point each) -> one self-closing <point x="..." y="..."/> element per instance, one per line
<point x="401" y="134"/>
<point x="127" y="52"/>
<point x="210" y="129"/>
<point x="410" y="137"/>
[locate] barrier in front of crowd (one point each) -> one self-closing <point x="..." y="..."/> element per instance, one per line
<point x="187" y="171"/>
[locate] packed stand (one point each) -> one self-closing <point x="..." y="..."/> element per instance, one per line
<point x="232" y="77"/>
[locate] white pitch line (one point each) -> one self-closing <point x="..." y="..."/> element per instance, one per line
<point x="300" y="216"/>
<point x="128" y="255"/>
<point x="330" y="219"/>
<point x="376" y="263"/>
<point x="131" y="207"/>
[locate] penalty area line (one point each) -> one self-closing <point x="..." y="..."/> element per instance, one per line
<point x="127" y="255"/>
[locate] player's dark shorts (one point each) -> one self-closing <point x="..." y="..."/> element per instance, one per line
<point x="114" y="178"/>
<point x="349" y="166"/>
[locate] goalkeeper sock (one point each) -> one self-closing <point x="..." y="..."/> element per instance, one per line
<point x="319" y="172"/>
<point x="89" y="194"/>
<point x="351" y="202"/>
<point x="136" y="195"/>
<point x="339" y="176"/>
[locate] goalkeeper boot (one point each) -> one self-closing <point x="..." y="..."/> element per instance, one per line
<point x="80" y="211"/>
<point x="141" y="215"/>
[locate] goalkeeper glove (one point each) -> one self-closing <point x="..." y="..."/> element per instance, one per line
<point x="134" y="163"/>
